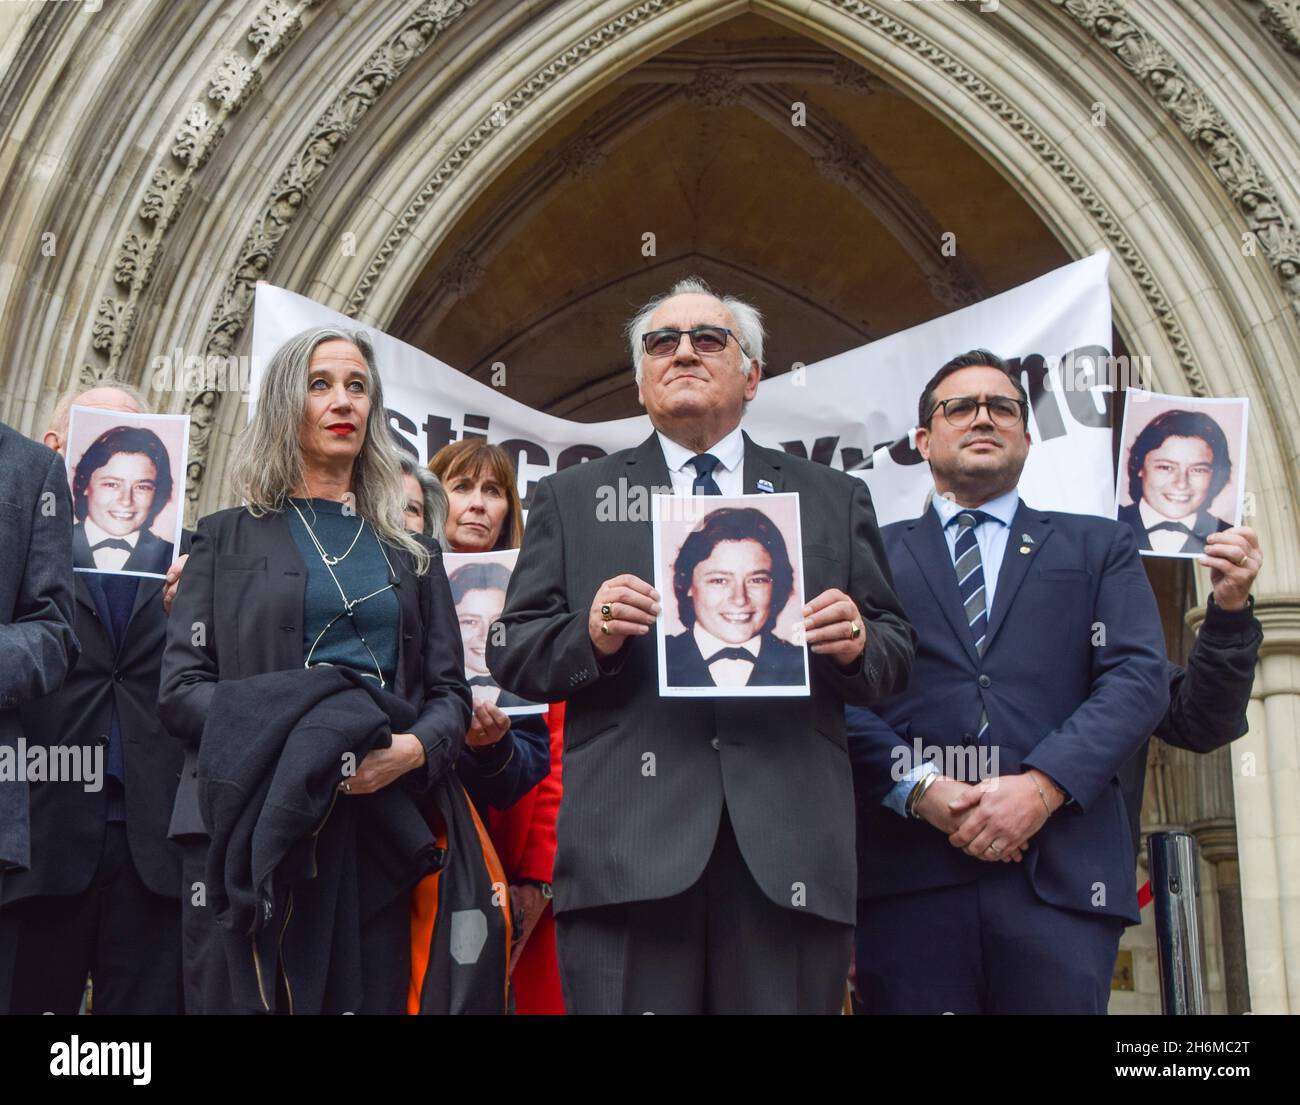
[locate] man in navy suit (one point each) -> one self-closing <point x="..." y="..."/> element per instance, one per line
<point x="996" y="864"/>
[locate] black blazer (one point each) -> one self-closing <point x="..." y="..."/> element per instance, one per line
<point x="645" y="778"/>
<point x="68" y="821"/>
<point x="151" y="552"/>
<point x="239" y="612"/>
<point x="778" y="664"/>
<point x="1206" y="524"/>
<point x="37" y="644"/>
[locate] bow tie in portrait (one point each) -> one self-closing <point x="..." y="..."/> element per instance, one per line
<point x="1177" y="527"/>
<point x="731" y="654"/>
<point x="111" y="543"/>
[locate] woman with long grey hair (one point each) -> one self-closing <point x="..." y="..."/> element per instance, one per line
<point x="316" y="571"/>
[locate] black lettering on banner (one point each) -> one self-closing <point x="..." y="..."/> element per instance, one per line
<point x="437" y="433"/>
<point x="1047" y="415"/>
<point x="475" y="426"/>
<point x="1082" y="402"/>
<point x="400" y="425"/>
<point x="577" y="454"/>
<point x="535" y="454"/>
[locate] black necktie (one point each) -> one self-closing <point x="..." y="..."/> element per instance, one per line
<point x="111" y="543"/>
<point x="704" y="483"/>
<point x="1177" y="527"/>
<point x="734" y="653"/>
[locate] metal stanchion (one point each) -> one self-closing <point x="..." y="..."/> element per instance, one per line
<point x="1175" y="886"/>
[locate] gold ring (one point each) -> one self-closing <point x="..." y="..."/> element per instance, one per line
<point x="605" y="612"/>
<point x="1242" y="562"/>
<point x="604" y="628"/>
<point x="994" y="848"/>
<point x="346" y="788"/>
<point x="857" y="630"/>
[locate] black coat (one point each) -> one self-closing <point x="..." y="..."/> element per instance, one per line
<point x="239" y="612"/>
<point x="67" y="820"/>
<point x="778" y="664"/>
<point x="780" y="765"/>
<point x="299" y="877"/>
<point x="1207" y="699"/>
<point x="37" y="642"/>
<point x="151" y="553"/>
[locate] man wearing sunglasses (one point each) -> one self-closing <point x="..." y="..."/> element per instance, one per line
<point x="999" y="879"/>
<point x="705" y="855"/>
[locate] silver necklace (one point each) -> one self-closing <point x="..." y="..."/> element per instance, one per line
<point x="348" y="604"/>
<point x="329" y="560"/>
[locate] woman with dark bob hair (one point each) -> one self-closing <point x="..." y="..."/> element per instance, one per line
<point x="732" y="579"/>
<point x="1176" y="468"/>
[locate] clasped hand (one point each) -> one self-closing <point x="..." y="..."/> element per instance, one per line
<point x="992" y="820"/>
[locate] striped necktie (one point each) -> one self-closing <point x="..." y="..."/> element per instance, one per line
<point x="970" y="575"/>
<point x="970" y="582"/>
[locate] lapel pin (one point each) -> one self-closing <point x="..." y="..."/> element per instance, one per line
<point x="1025" y="550"/>
<point x="766" y="486"/>
<point x="1026" y="539"/>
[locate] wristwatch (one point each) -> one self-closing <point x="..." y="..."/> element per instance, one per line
<point x="544" y="887"/>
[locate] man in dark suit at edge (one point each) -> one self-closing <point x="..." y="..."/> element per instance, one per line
<point x="101" y="896"/>
<point x="705" y="847"/>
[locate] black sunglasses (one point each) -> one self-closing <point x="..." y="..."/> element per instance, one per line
<point x="704" y="339"/>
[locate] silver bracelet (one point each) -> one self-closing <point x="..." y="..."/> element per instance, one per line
<point x="918" y="792"/>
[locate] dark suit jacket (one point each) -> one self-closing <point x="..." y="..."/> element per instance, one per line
<point x="645" y="778"/>
<point x="239" y="612"/>
<point x="67" y="820"/>
<point x="778" y="664"/>
<point x="37" y="643"/>
<point x="151" y="552"/>
<point x="1206" y="524"/>
<point x="1207" y="699"/>
<point x="1073" y="678"/>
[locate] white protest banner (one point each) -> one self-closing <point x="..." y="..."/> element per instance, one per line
<point x="853" y="411"/>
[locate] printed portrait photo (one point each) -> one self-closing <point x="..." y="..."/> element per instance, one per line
<point x="478" y="588"/>
<point x="730" y="573"/>
<point x="1182" y="470"/>
<point x="127" y="473"/>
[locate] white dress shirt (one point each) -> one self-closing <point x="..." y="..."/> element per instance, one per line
<point x="729" y="473"/>
<point x="111" y="560"/>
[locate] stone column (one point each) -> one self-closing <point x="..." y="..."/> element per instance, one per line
<point x="1265" y="767"/>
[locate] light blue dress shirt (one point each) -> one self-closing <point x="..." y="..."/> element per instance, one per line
<point x="991" y="537"/>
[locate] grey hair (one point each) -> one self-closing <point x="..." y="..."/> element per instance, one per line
<point x="436" y="505"/>
<point x="747" y="317"/>
<point x="267" y="465"/>
<point x="63" y="409"/>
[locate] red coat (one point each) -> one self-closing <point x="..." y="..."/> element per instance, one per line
<point x="524" y="837"/>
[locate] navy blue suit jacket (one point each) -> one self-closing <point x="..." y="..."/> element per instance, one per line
<point x="1074" y="680"/>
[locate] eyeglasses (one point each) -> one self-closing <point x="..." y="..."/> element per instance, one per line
<point x="961" y="410"/>
<point x="704" y="339"/>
